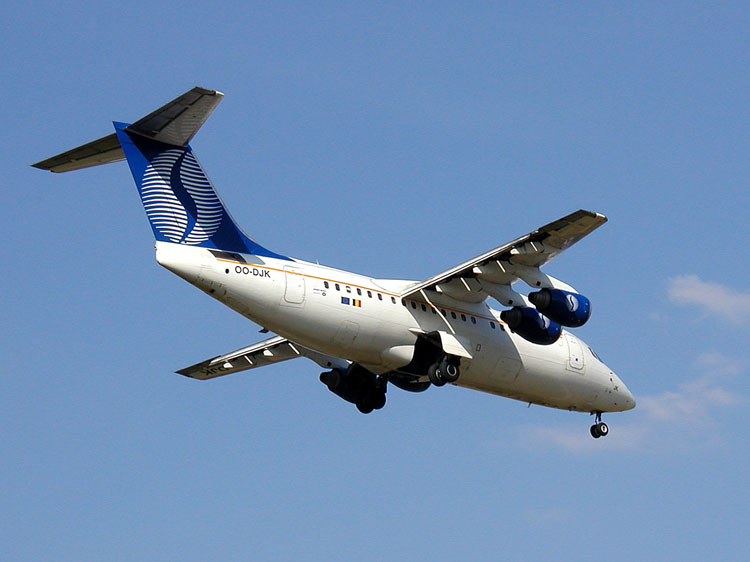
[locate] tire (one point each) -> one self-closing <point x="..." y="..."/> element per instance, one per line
<point x="364" y="405"/>
<point x="435" y="375"/>
<point x="602" y="429"/>
<point x="378" y="400"/>
<point x="595" y="431"/>
<point x="449" y="371"/>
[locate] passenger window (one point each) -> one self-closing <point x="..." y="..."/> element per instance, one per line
<point x="393" y="300"/>
<point x="443" y="312"/>
<point x="463" y="317"/>
<point x="359" y="292"/>
<point x="473" y="320"/>
<point x="424" y="308"/>
<point x="434" y="310"/>
<point x="453" y="315"/>
<point x="338" y="287"/>
<point x="325" y="284"/>
<point x="492" y="325"/>
<point x="348" y="289"/>
<point x="369" y="294"/>
<point x="414" y="305"/>
<point x="380" y="297"/>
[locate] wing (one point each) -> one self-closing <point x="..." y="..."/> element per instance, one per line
<point x="268" y="352"/>
<point x="492" y="273"/>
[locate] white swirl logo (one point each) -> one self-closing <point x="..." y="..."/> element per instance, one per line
<point x="543" y="321"/>
<point x="163" y="207"/>
<point x="572" y="303"/>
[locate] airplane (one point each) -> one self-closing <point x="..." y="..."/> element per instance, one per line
<point x="365" y="332"/>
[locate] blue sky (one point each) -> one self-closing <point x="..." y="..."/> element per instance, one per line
<point x="395" y="141"/>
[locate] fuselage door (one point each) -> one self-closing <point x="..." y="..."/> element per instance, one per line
<point x="294" y="293"/>
<point x="575" y="353"/>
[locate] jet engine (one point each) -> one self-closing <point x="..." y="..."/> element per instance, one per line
<point x="532" y="325"/>
<point x="564" y="307"/>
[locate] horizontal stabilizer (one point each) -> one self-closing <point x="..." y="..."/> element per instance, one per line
<point x="175" y="123"/>
<point x="100" y="151"/>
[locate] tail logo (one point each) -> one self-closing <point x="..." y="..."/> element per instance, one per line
<point x="180" y="201"/>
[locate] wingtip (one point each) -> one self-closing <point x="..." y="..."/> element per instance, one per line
<point x="593" y="214"/>
<point x="208" y="91"/>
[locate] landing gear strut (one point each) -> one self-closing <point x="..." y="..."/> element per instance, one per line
<point x="599" y="429"/>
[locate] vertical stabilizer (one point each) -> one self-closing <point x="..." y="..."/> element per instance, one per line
<point x="180" y="202"/>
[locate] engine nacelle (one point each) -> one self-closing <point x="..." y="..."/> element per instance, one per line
<point x="532" y="325"/>
<point x="564" y="307"/>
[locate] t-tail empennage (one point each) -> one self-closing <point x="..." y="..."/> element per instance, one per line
<point x="181" y="204"/>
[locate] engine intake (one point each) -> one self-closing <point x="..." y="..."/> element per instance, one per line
<point x="564" y="307"/>
<point x="532" y="325"/>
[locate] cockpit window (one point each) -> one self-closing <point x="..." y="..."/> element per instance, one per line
<point x="594" y="353"/>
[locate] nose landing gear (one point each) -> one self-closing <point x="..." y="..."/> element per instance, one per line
<point x="599" y="429"/>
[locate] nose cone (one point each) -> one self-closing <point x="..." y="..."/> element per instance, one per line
<point x="629" y="398"/>
<point x="624" y="398"/>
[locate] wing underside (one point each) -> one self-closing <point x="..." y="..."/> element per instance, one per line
<point x="492" y="273"/>
<point x="261" y="354"/>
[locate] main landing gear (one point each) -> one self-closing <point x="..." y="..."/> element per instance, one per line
<point x="372" y="398"/>
<point x="357" y="385"/>
<point x="444" y="371"/>
<point x="599" y="429"/>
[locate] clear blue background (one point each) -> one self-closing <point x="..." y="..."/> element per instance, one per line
<point x="393" y="140"/>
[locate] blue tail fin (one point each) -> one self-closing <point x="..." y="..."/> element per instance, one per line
<point x="180" y="202"/>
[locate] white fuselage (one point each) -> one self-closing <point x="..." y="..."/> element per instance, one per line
<point x="363" y="319"/>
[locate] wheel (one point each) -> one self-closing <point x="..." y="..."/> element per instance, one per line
<point x="595" y="431"/>
<point x="378" y="400"/>
<point x="602" y="428"/>
<point x="449" y="371"/>
<point x="435" y="375"/>
<point x="364" y="405"/>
